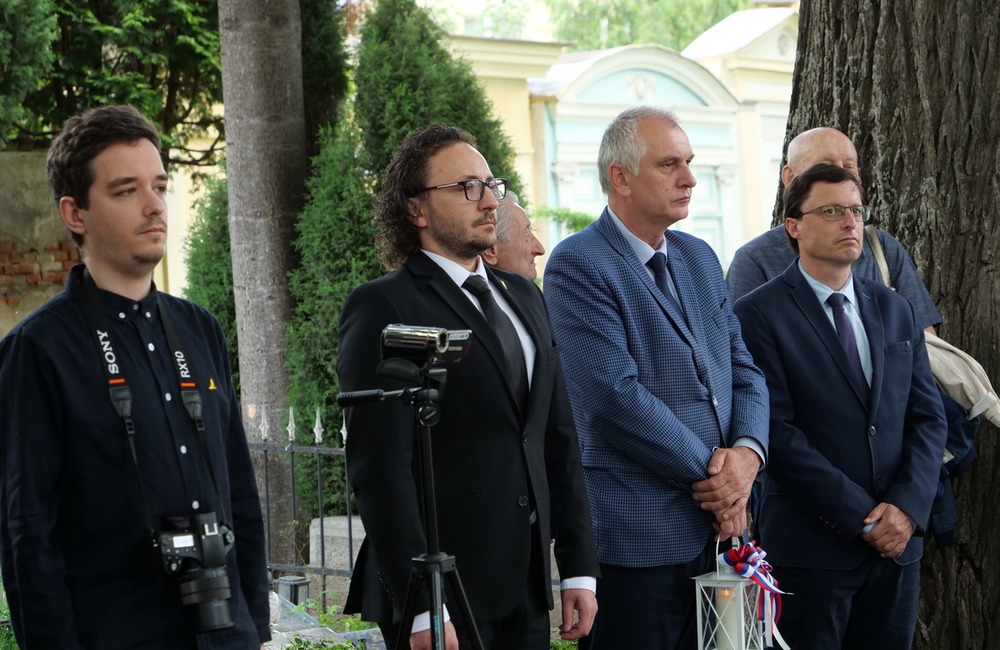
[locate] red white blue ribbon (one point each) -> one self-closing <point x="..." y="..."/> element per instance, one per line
<point x="747" y="561"/>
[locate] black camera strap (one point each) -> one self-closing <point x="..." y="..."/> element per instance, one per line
<point x="121" y="394"/>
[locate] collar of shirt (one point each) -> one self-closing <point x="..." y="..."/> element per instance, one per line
<point x="459" y="274"/>
<point x="116" y="306"/>
<point x="823" y="292"/>
<point x="456" y="271"/>
<point x="642" y="250"/>
<point x="850" y="308"/>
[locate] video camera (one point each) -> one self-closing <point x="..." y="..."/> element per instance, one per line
<point x="430" y="345"/>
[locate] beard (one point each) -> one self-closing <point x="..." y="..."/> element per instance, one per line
<point x="460" y="243"/>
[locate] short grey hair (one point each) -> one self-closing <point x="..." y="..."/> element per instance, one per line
<point x="504" y="217"/>
<point x="621" y="143"/>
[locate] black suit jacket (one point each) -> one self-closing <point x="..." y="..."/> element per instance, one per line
<point x="833" y="457"/>
<point x="492" y="464"/>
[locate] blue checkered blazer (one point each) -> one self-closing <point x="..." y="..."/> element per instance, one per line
<point x="652" y="394"/>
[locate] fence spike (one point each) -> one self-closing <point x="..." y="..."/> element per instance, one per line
<point x="264" y="428"/>
<point x="318" y="428"/>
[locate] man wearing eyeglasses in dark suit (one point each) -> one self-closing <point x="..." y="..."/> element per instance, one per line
<point x="856" y="429"/>
<point x="506" y="461"/>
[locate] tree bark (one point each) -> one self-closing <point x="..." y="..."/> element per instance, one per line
<point x="266" y="161"/>
<point x="916" y="85"/>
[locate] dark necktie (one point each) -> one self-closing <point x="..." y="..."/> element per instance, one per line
<point x="846" y="333"/>
<point x="504" y="328"/>
<point x="658" y="263"/>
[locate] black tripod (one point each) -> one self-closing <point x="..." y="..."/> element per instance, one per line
<point x="429" y="568"/>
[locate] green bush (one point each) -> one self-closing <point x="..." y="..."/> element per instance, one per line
<point x="27" y="28"/>
<point x="209" y="263"/>
<point x="407" y="78"/>
<point x="335" y="245"/>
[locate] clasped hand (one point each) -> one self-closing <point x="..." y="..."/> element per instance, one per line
<point x="892" y="531"/>
<point x="731" y="472"/>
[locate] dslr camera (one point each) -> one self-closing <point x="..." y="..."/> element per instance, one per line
<point x="194" y="551"/>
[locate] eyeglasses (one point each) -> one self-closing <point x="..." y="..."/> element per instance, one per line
<point x="833" y="213"/>
<point x="475" y="189"/>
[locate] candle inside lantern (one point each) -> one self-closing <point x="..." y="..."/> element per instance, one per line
<point x="730" y="624"/>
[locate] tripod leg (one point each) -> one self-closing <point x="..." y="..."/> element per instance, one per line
<point x="437" y="609"/>
<point x="463" y="606"/>
<point x="427" y="570"/>
<point x="412" y="589"/>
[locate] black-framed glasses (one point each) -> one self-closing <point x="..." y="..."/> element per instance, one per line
<point x="833" y="213"/>
<point x="475" y="189"/>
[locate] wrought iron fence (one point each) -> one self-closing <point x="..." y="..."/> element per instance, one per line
<point x="298" y="455"/>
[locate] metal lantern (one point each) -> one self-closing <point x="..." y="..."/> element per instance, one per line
<point x="739" y="603"/>
<point x="727" y="612"/>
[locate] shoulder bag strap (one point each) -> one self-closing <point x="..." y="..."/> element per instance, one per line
<point x="876" y="246"/>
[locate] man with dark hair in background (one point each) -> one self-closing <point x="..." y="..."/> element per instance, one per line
<point x="119" y="422"/>
<point x="768" y="255"/>
<point x="506" y="461"/>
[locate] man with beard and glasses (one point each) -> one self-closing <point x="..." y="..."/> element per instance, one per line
<point x="506" y="462"/>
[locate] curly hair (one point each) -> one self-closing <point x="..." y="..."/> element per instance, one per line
<point x="83" y="138"/>
<point x="406" y="177"/>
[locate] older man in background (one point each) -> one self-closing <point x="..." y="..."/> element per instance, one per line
<point x="516" y="247"/>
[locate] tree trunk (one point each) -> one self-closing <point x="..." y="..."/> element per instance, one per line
<point x="916" y="85"/>
<point x="266" y="161"/>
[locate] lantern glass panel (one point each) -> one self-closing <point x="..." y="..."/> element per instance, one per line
<point x="727" y="613"/>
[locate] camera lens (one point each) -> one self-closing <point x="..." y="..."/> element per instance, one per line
<point x="206" y="592"/>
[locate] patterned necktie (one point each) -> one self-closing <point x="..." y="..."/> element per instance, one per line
<point x="658" y="263"/>
<point x="504" y="328"/>
<point x="845" y="331"/>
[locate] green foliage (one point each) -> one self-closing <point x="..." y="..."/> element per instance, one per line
<point x="560" y="644"/>
<point x="209" y="262"/>
<point x="298" y="643"/>
<point x="572" y="221"/>
<point x="599" y="24"/>
<point x="7" y="640"/>
<point x="335" y="243"/>
<point x="331" y="616"/>
<point x="324" y="66"/>
<point x="407" y="78"/>
<point x="27" y="28"/>
<point x="160" y="55"/>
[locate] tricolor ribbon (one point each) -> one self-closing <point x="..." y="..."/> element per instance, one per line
<point x="747" y="561"/>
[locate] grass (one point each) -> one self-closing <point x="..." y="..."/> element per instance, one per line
<point x="7" y="641"/>
<point x="331" y="617"/>
<point x="298" y="643"/>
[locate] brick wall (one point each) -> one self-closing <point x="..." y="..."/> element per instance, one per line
<point x="35" y="249"/>
<point x="31" y="269"/>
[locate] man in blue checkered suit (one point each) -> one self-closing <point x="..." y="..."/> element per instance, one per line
<point x="671" y="411"/>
